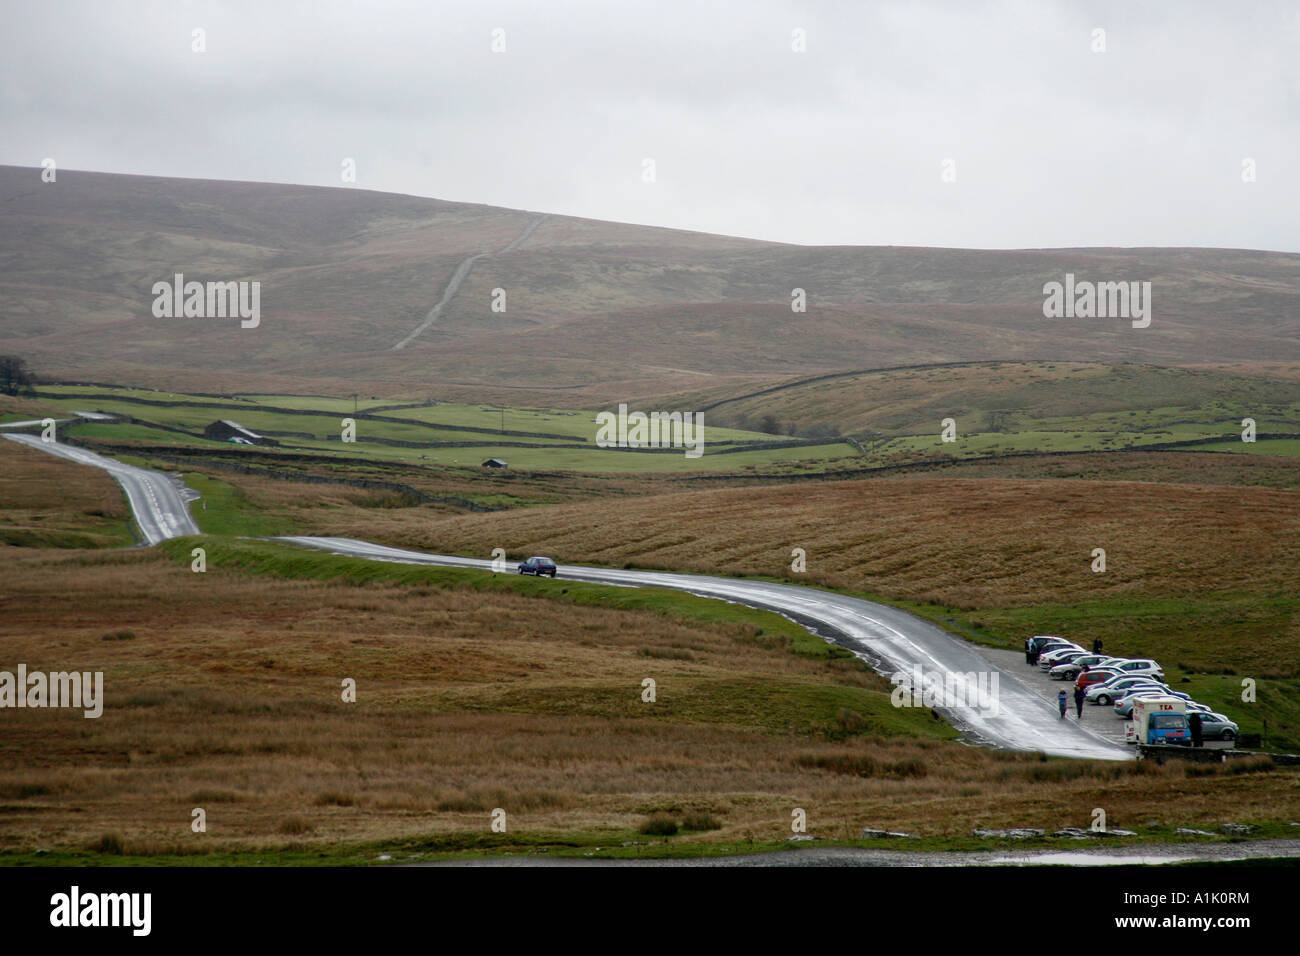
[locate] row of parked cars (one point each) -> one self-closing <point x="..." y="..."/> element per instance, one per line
<point x="1134" y="687"/>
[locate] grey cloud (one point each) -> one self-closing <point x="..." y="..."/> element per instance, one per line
<point x="1054" y="145"/>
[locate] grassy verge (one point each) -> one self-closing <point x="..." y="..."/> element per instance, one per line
<point x="225" y="510"/>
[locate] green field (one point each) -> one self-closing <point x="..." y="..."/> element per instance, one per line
<point x="544" y="439"/>
<point x="894" y="417"/>
<point x="462" y="436"/>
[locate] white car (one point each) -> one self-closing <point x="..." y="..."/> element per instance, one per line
<point x="1140" y="667"/>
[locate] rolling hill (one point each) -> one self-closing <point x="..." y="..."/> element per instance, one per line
<point x="595" y="311"/>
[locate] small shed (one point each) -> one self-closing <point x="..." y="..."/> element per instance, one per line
<point x="495" y="463"/>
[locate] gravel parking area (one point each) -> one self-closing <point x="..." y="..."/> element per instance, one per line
<point x="1101" y="720"/>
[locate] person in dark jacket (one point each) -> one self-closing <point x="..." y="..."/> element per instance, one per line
<point x="1194" y="722"/>
<point x="1096" y="646"/>
<point x="1063" y="703"/>
<point x="1079" y="694"/>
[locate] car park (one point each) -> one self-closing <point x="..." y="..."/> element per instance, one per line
<point x="538" y="566"/>
<point x="1131" y="685"/>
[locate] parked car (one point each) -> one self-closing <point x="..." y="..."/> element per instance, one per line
<point x="1042" y="643"/>
<point x="1146" y="686"/>
<point x="538" y="566"/>
<point x="1107" y="691"/>
<point x="1073" y="668"/>
<point x="1142" y="666"/>
<point x="1096" y="676"/>
<point x="1216" y="725"/>
<point x="1058" y="655"/>
<point x="1124" y="704"/>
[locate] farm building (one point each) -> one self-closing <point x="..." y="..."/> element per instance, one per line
<point x="495" y="463"/>
<point x="226" y="430"/>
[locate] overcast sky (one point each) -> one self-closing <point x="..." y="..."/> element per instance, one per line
<point x="1052" y="143"/>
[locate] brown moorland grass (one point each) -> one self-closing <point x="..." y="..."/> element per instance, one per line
<point x="47" y="501"/>
<point x="961" y="541"/>
<point x="224" y="694"/>
<point x="1165" y="467"/>
<point x="330" y="509"/>
<point x="976" y="545"/>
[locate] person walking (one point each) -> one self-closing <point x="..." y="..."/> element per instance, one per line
<point x="1029" y="651"/>
<point x="1061" y="701"/>
<point x="1195" y="723"/>
<point x="1079" y="695"/>
<point x="1096" y="645"/>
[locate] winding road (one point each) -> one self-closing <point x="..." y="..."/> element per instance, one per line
<point x="158" y="501"/>
<point x="892" y="641"/>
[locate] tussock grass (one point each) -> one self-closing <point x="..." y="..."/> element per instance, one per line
<point x="660" y="824"/>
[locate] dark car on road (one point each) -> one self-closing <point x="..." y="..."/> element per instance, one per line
<point x="538" y="565"/>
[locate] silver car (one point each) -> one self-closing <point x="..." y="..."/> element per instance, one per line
<point x="1124" y="704"/>
<point x="1216" y="725"/>
<point x="1107" y="692"/>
